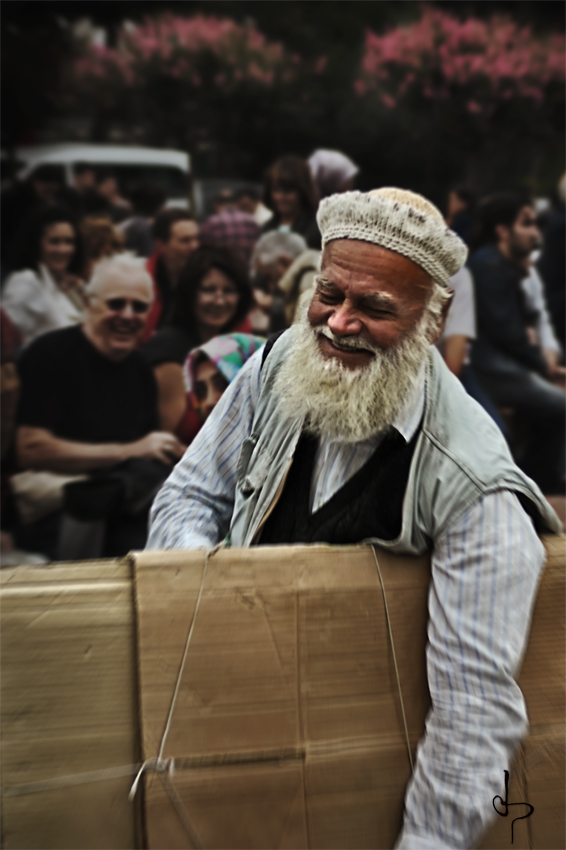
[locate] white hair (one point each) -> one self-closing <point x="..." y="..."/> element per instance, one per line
<point x="122" y="265"/>
<point x="352" y="405"/>
<point x="273" y="245"/>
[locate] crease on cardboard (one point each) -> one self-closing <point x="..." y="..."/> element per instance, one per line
<point x="251" y="599"/>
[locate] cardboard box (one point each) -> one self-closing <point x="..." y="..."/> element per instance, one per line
<point x="296" y="718"/>
<point x="287" y="727"/>
<point x="69" y="703"/>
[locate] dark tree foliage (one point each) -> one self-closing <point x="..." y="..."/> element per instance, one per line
<point x="239" y="135"/>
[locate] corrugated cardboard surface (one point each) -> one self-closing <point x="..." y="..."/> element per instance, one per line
<point x="289" y="702"/>
<point x="69" y="703"/>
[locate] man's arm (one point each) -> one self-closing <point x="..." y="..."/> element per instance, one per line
<point x="455" y="348"/>
<point x="499" y="317"/>
<point x="194" y="506"/>
<point x="460" y="327"/>
<point x="38" y="448"/>
<point x="485" y="572"/>
<point x="533" y="288"/>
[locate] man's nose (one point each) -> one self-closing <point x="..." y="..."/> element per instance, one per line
<point x="210" y="402"/>
<point x="128" y="311"/>
<point x="343" y="321"/>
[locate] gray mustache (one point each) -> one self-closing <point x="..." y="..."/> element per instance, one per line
<point x="355" y="343"/>
<point x="124" y="325"/>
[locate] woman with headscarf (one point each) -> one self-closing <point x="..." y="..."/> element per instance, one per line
<point x="333" y="172"/>
<point x="207" y="372"/>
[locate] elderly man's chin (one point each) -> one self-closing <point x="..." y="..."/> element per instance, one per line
<point x="348" y="402"/>
<point x="120" y="341"/>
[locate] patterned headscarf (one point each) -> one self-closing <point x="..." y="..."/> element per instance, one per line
<point x="228" y="352"/>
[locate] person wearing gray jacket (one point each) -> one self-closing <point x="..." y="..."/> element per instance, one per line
<point x="349" y="428"/>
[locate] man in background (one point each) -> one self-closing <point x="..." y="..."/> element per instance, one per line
<point x="147" y="199"/>
<point x="88" y="408"/>
<point x="176" y="235"/>
<point x="230" y="228"/>
<point x="248" y="200"/>
<point x="282" y="268"/>
<point x="509" y="357"/>
<point x="20" y="201"/>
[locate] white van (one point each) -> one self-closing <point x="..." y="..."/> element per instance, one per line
<point x="171" y="169"/>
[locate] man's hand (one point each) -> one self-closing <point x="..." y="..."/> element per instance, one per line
<point x="38" y="448"/>
<point x="455" y="348"/>
<point x="556" y="373"/>
<point x="158" y="445"/>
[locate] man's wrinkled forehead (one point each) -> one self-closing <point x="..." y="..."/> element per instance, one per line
<point x="373" y="263"/>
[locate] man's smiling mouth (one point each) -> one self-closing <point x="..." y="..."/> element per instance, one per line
<point x="349" y="347"/>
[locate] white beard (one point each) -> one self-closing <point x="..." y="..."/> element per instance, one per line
<point x="350" y="405"/>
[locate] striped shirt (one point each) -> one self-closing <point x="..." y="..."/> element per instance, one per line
<point x="485" y="570"/>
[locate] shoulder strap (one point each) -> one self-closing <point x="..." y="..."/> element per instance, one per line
<point x="269" y="345"/>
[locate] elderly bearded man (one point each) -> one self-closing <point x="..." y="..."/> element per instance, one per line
<point x="352" y="429"/>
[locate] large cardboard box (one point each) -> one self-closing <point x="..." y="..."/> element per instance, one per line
<point x="280" y="700"/>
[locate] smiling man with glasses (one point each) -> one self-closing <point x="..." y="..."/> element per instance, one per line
<point x="89" y="408"/>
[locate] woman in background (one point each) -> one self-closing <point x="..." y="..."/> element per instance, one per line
<point x="291" y="193"/>
<point x="213" y="296"/>
<point x="46" y="294"/>
<point x="99" y="239"/>
<point x="207" y="372"/>
<point x="332" y="172"/>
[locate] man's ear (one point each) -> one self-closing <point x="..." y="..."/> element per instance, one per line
<point x="283" y="263"/>
<point x="502" y="233"/>
<point x="435" y="336"/>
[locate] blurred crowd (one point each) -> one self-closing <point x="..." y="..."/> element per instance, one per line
<point x="124" y="320"/>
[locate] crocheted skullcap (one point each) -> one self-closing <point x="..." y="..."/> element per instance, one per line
<point x="399" y="220"/>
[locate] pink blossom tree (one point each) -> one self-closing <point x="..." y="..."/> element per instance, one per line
<point x="193" y="83"/>
<point x="479" y="84"/>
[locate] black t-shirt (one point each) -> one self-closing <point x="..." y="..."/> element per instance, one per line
<point x="168" y="345"/>
<point x="70" y="389"/>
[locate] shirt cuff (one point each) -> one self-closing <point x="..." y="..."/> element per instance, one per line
<point x="191" y="541"/>
<point x="411" y="841"/>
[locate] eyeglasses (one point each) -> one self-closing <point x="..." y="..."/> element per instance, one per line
<point x="119" y="304"/>
<point x="213" y="291"/>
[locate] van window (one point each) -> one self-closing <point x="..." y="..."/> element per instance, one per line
<point x="174" y="182"/>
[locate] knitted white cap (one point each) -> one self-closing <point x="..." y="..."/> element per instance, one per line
<point x="399" y="220"/>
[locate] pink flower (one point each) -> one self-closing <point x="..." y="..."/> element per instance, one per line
<point x="474" y="107"/>
<point x="480" y="55"/>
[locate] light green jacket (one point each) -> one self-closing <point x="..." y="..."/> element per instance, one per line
<point x="460" y="456"/>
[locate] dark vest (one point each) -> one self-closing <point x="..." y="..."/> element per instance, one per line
<point x="370" y="504"/>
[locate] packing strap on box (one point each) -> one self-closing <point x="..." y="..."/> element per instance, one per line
<point x="167" y="767"/>
<point x="232" y="582"/>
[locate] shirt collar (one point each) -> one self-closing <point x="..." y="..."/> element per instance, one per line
<point x="410" y="416"/>
<point x="407" y="421"/>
